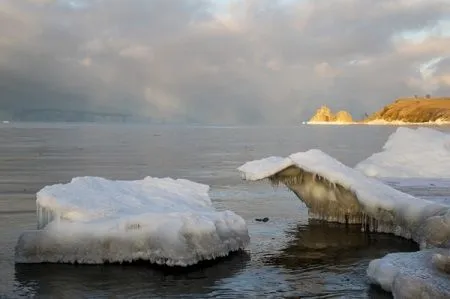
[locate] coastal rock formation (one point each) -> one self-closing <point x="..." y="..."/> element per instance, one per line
<point x="344" y="116"/>
<point x="324" y="114"/>
<point x="414" y="110"/>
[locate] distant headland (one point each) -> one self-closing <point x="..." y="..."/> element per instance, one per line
<point x="413" y="110"/>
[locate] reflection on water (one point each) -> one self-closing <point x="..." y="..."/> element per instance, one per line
<point x="128" y="280"/>
<point x="321" y="243"/>
<point x="330" y="259"/>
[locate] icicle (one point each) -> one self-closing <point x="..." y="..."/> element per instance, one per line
<point x="330" y="201"/>
<point x="44" y="216"/>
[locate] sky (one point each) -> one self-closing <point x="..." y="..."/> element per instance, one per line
<point x="221" y="61"/>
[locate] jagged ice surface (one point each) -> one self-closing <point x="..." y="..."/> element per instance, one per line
<point x="95" y="220"/>
<point x="413" y="274"/>
<point x="420" y="153"/>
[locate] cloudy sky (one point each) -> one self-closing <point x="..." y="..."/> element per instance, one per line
<point x="221" y="61"/>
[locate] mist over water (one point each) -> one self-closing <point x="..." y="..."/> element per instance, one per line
<point x="288" y="255"/>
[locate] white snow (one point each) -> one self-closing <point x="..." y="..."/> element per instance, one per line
<point x="411" y="274"/>
<point x="261" y="169"/>
<point x="411" y="153"/>
<point x="162" y="220"/>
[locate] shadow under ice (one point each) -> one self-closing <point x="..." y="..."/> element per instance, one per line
<point x="134" y="279"/>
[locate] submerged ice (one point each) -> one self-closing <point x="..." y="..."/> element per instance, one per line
<point x="337" y="193"/>
<point x="164" y="221"/>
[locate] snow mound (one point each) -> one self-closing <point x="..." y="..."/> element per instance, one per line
<point x="337" y="193"/>
<point x="409" y="153"/>
<point x="165" y="221"/>
<point x="412" y="274"/>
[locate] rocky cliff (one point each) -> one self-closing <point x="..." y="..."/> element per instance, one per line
<point x="324" y="114"/>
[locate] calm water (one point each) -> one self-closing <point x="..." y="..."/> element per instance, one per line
<point x="288" y="256"/>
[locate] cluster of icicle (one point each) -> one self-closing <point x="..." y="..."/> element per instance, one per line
<point x="44" y="216"/>
<point x="332" y="202"/>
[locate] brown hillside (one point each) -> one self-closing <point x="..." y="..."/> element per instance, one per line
<point x="414" y="110"/>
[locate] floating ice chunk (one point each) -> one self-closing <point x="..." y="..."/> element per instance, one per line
<point x="165" y="221"/>
<point x="412" y="274"/>
<point x="420" y="153"/>
<point x="337" y="193"/>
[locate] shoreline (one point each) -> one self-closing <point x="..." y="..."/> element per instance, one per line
<point x="378" y="123"/>
<point x="403" y="111"/>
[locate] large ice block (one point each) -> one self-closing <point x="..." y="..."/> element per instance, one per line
<point x="335" y="192"/>
<point x="95" y="220"/>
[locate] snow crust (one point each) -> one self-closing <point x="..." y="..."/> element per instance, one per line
<point x="412" y="274"/>
<point x="165" y="221"/>
<point x="264" y="168"/>
<point x="411" y="153"/>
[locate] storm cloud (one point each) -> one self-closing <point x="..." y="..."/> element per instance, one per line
<point x="221" y="62"/>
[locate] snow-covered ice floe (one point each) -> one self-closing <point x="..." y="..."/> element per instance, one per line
<point x="421" y="274"/>
<point x="93" y="220"/>
<point x="337" y="193"/>
<point x="409" y="153"/>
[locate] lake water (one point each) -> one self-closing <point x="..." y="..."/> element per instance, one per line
<point x="288" y="256"/>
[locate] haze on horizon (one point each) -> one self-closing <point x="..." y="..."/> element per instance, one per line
<point x="222" y="61"/>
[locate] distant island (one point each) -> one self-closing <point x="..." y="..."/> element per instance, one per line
<point x="325" y="115"/>
<point x="414" y="110"/>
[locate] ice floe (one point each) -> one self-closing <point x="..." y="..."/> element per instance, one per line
<point x="161" y="220"/>
<point x="335" y="192"/>
<point x="421" y="274"/>
<point x="411" y="153"/>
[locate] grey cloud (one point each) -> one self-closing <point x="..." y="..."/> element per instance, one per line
<point x="262" y="62"/>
